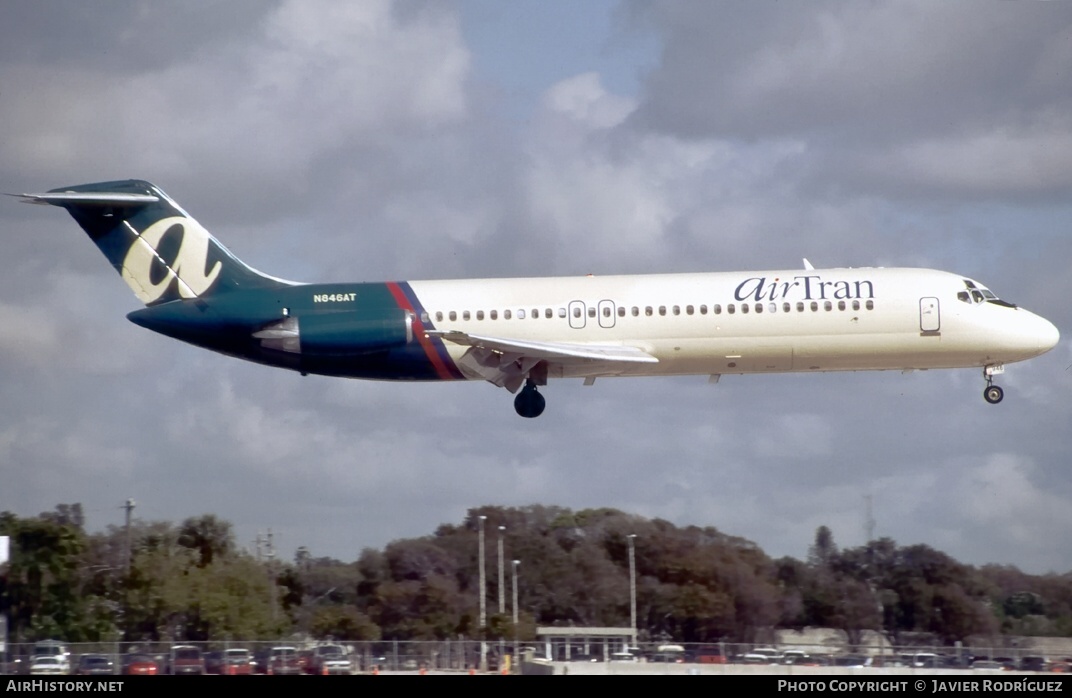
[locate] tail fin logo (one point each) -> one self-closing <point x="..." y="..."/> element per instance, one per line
<point x="187" y="270"/>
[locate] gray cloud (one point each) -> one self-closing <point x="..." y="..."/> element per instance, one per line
<point x="348" y="142"/>
<point x="949" y="99"/>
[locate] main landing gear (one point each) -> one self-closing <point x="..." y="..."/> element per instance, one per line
<point x="993" y="394"/>
<point x="529" y="403"/>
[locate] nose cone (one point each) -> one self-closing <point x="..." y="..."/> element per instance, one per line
<point x="1048" y="335"/>
<point x="1025" y="335"/>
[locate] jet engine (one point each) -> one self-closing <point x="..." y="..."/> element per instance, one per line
<point x="340" y="333"/>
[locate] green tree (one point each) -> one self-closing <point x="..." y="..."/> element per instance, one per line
<point x="209" y="536"/>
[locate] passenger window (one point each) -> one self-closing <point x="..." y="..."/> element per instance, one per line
<point x="870" y="305"/>
<point x="731" y="309"/>
<point x="647" y="310"/>
<point x="576" y="312"/>
<point x="814" y="306"/>
<point x="636" y="311"/>
<point x="828" y="306"/>
<point x="716" y="309"/>
<point x="856" y="305"/>
<point x="591" y="311"/>
<point x="465" y="315"/>
<point x="453" y="316"/>
<point x="744" y="308"/>
<point x="520" y="314"/>
<point x="439" y="316"/>
<point x="506" y="314"/>
<point x="621" y="311"/>
<point x="424" y="316"/>
<point x="800" y="306"/>
<point x="677" y="310"/>
<point x="662" y="310"/>
<point x="841" y="305"/>
<point x="689" y="310"/>
<point x="759" y="307"/>
<point x="703" y="310"/>
<point x="480" y="315"/>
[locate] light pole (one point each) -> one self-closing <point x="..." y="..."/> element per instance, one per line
<point x="516" y="563"/>
<point x="632" y="586"/>
<point x="483" y="597"/>
<point x="502" y="586"/>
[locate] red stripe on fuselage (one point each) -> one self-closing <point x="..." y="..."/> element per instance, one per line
<point x="418" y="327"/>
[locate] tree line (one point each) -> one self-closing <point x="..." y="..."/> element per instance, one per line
<point x="191" y="582"/>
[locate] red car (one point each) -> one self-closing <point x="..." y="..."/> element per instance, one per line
<point x="140" y="665"/>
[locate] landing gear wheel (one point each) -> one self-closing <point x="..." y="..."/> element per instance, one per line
<point x="993" y="394"/>
<point x="529" y="403"/>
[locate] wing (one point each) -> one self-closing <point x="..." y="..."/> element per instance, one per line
<point x="507" y="362"/>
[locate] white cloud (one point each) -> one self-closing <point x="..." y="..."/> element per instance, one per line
<point x="319" y="76"/>
<point x="27" y="335"/>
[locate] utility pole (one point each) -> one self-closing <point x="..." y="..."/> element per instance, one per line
<point x="632" y="586"/>
<point x="483" y="597"/>
<point x="271" y="572"/>
<point x="517" y="657"/>
<point x="129" y="506"/>
<point x="869" y="521"/>
<point x="502" y="585"/>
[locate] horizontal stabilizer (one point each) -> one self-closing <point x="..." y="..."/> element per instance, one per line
<point x="88" y="198"/>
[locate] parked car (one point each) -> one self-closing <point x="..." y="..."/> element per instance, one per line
<point x="329" y="659"/>
<point x="710" y="654"/>
<point x="140" y="665"/>
<point x="47" y="665"/>
<point x="279" y="660"/>
<point x="52" y="648"/>
<point x="988" y="665"/>
<point x="1033" y="662"/>
<point x="186" y="660"/>
<point x="796" y="658"/>
<point x="95" y="665"/>
<point x="230" y="662"/>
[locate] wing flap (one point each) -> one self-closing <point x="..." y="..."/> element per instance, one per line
<point x="559" y="352"/>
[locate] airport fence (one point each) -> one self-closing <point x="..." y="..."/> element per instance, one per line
<point x="464" y="655"/>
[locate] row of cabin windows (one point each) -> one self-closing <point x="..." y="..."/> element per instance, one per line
<point x="662" y="310"/>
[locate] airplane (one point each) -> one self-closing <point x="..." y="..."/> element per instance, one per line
<point x="519" y="333"/>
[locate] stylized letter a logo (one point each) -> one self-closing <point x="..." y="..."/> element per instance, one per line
<point x="188" y="268"/>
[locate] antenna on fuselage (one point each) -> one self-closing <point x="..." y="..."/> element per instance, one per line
<point x="807" y="265"/>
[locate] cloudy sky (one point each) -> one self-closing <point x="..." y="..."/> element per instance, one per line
<point x="375" y="141"/>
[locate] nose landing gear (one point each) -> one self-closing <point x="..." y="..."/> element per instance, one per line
<point x="529" y="403"/>
<point x="993" y="394"/>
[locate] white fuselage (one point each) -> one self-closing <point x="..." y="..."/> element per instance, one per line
<point x="747" y="322"/>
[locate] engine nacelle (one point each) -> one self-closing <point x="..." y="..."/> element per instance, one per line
<point x="340" y="334"/>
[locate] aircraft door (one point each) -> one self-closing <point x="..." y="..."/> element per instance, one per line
<point x="606" y="314"/>
<point x="576" y="315"/>
<point x="930" y="318"/>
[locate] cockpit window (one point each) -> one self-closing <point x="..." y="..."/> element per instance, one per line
<point x="977" y="293"/>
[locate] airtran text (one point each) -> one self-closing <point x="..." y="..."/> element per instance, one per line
<point x="810" y="287"/>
